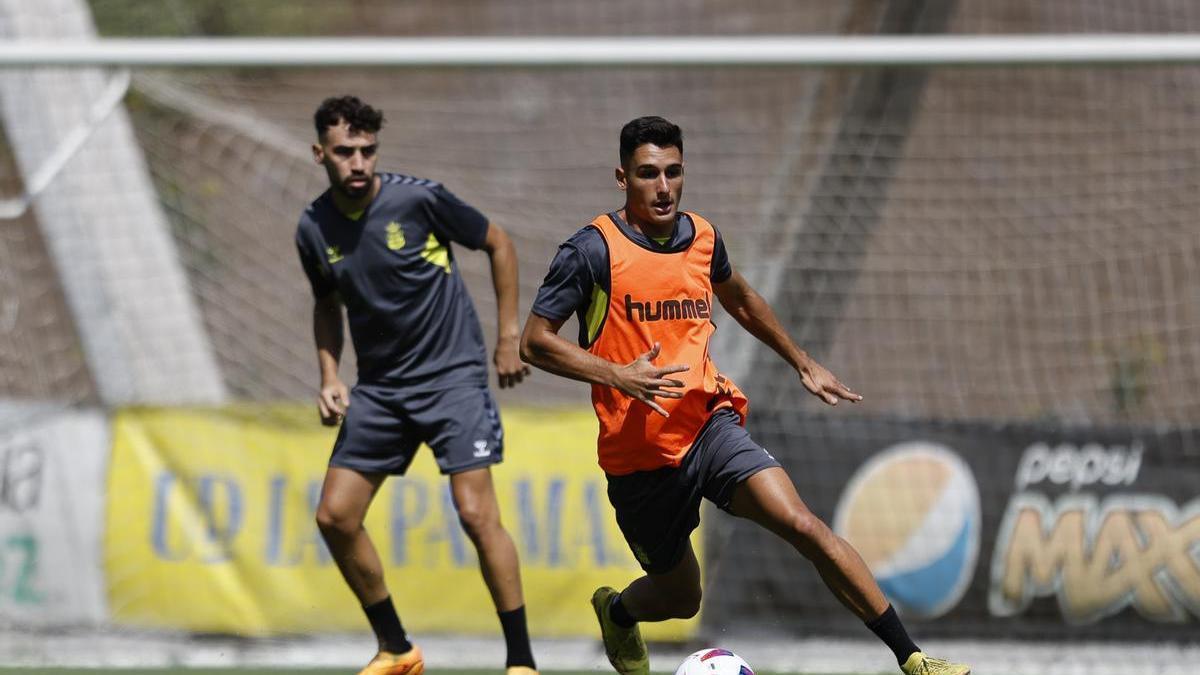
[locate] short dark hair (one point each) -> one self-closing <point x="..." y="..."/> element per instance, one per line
<point x="349" y="109"/>
<point x="649" y="129"/>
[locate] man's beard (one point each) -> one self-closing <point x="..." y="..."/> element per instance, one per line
<point x="356" y="192"/>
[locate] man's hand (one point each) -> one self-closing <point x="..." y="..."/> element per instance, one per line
<point x="824" y="385"/>
<point x="509" y="368"/>
<point x="332" y="402"/>
<point x="643" y="380"/>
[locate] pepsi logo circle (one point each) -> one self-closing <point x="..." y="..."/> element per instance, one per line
<point x="912" y="512"/>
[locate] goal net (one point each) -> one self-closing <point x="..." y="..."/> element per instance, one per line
<point x="1004" y="261"/>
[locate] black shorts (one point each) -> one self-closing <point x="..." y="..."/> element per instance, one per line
<point x="657" y="510"/>
<point x="384" y="425"/>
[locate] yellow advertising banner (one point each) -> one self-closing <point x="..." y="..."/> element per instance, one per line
<point x="210" y="527"/>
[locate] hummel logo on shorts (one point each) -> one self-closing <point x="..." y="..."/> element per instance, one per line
<point x="481" y="449"/>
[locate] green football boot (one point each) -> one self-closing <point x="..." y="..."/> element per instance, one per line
<point x="625" y="648"/>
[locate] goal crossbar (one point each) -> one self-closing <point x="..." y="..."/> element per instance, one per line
<point x="814" y="51"/>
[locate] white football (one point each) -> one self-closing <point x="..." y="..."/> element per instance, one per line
<point x="714" y="661"/>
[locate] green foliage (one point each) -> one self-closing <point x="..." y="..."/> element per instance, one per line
<point x="1131" y="372"/>
<point x="218" y="18"/>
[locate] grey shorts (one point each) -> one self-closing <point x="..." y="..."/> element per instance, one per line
<point x="384" y="425"/>
<point x="657" y="510"/>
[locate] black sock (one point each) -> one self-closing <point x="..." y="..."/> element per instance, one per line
<point x="516" y="638"/>
<point x="620" y="615"/>
<point x="889" y="629"/>
<point x="386" y="625"/>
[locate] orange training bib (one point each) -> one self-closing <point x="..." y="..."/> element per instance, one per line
<point x="664" y="297"/>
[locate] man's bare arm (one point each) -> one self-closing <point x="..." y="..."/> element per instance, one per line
<point x="503" y="257"/>
<point x="327" y="331"/>
<point x="542" y="346"/>
<point x="750" y="310"/>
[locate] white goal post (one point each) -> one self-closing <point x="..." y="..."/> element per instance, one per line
<point x="814" y="51"/>
<point x="114" y="92"/>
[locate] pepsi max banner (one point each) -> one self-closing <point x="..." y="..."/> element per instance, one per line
<point x="976" y="530"/>
<point x="210" y="528"/>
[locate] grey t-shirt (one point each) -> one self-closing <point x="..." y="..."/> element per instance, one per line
<point x="411" y="320"/>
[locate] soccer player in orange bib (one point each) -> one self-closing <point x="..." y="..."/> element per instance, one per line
<point x="642" y="281"/>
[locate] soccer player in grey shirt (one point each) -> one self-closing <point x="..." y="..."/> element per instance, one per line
<point x="378" y="244"/>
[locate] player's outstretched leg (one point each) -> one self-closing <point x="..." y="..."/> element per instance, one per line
<point x="769" y="498"/>
<point x="345" y="497"/>
<point x="479" y="512"/>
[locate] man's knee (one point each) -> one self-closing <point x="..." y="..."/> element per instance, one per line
<point x="335" y="522"/>
<point x="478" y="517"/>
<point x="808" y="531"/>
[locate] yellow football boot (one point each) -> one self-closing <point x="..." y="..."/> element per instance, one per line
<point x="919" y="664"/>
<point x="624" y="646"/>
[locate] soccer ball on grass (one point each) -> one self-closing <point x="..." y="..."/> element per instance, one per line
<point x="714" y="661"/>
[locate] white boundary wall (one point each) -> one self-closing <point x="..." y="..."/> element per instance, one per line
<point x="52" y="478"/>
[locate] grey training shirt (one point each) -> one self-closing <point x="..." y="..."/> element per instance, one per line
<point x="411" y="320"/>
